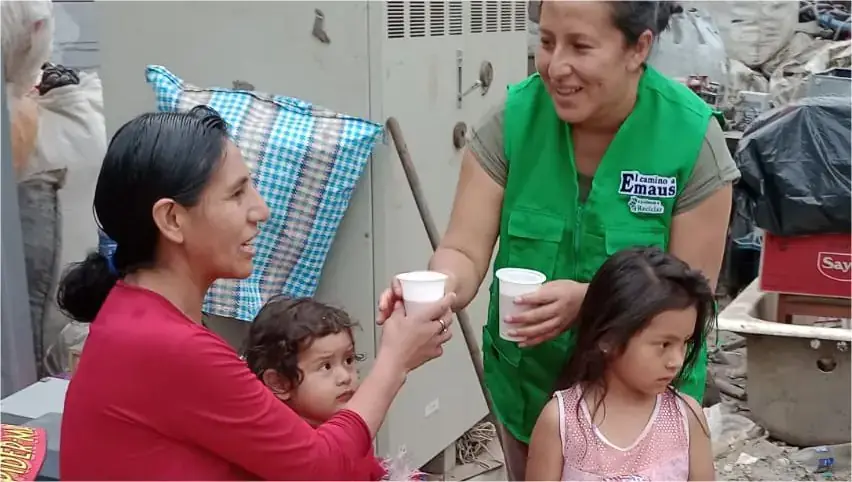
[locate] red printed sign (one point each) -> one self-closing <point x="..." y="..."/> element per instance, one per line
<point x="22" y="451"/>
<point x="836" y="266"/>
<point x="816" y="265"/>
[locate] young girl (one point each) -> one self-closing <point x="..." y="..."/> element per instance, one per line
<point x="304" y="352"/>
<point x="616" y="415"/>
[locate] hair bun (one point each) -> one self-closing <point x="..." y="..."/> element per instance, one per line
<point x="665" y="10"/>
<point x="84" y="287"/>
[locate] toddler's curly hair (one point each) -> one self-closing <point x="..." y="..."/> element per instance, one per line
<point x="287" y="326"/>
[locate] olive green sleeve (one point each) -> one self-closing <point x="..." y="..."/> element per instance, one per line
<point x="486" y="143"/>
<point x="713" y="170"/>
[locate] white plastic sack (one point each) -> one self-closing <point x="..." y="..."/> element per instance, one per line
<point x="533" y="38"/>
<point x="753" y="31"/>
<point x="533" y="17"/>
<point x="789" y="80"/>
<point x="728" y="428"/>
<point x="800" y="42"/>
<point x="71" y="138"/>
<point x="71" y="130"/>
<point x="691" y="45"/>
<point x="741" y="78"/>
<point x="70" y="340"/>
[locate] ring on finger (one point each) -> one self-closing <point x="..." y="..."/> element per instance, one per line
<point x="443" y="326"/>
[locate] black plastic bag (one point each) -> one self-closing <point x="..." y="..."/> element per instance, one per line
<point x="53" y="76"/>
<point x="795" y="165"/>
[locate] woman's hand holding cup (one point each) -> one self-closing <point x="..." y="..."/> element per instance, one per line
<point x="413" y="339"/>
<point x="413" y="289"/>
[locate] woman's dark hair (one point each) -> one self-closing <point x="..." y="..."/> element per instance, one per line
<point x="631" y="18"/>
<point x="286" y="327"/>
<point x="634" y="18"/>
<point x="627" y="292"/>
<point x="154" y="156"/>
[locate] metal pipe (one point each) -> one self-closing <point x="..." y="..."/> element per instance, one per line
<point x="435" y="239"/>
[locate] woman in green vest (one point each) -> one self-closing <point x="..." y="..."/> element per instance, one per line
<point x="594" y="153"/>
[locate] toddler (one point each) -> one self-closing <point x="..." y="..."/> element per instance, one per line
<point x="304" y="352"/>
<point x="616" y="414"/>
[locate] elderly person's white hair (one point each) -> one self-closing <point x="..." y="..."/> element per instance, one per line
<point x="27" y="41"/>
<point x="27" y="37"/>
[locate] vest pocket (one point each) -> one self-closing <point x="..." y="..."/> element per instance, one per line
<point x="501" y="360"/>
<point x="597" y="247"/>
<point x="534" y="239"/>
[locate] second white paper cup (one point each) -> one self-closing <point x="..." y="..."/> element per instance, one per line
<point x="421" y="288"/>
<point x="515" y="282"/>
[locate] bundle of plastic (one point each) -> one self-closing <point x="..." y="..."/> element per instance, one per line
<point x="400" y="468"/>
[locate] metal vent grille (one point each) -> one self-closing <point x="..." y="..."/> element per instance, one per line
<point x="437" y="19"/>
<point x="492" y="14"/>
<point x="396" y="19"/>
<point x="520" y="16"/>
<point x="476" y="12"/>
<point x="456" y="17"/>
<point x="417" y="19"/>
<point x="506" y="16"/>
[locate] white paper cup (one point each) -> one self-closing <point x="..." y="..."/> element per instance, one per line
<point x="515" y="282"/>
<point x="421" y="288"/>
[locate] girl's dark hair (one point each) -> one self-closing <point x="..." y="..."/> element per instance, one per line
<point x="630" y="289"/>
<point x="154" y="156"/>
<point x="634" y="18"/>
<point x="285" y="327"/>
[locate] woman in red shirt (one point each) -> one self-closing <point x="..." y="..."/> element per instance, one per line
<point x="157" y="395"/>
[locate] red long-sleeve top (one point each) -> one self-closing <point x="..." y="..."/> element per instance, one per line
<point x="157" y="396"/>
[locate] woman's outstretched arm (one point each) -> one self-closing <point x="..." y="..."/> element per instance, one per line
<point x="220" y="405"/>
<point x="466" y="248"/>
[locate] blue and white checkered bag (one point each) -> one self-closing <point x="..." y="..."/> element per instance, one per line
<point x="305" y="161"/>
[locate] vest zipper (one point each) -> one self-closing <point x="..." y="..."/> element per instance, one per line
<point x="578" y="221"/>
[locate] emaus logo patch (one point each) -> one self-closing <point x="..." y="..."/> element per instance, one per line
<point x="634" y="183"/>
<point x="640" y="205"/>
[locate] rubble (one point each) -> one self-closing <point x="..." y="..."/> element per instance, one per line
<point x="745" y="451"/>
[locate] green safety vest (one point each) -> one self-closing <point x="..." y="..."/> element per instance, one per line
<point x="545" y="227"/>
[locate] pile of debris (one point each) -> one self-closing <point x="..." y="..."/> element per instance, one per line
<point x="831" y="16"/>
<point x="799" y="43"/>
<point x="760" y="54"/>
<point x="745" y="451"/>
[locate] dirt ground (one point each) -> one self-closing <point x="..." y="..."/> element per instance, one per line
<point x="763" y="459"/>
